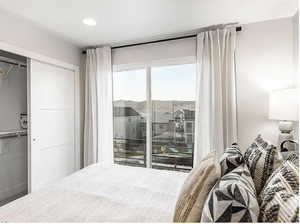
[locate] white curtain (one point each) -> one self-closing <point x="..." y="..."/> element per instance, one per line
<point x="98" y="127"/>
<point x="216" y="122"/>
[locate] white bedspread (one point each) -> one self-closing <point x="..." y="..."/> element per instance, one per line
<point x="101" y="194"/>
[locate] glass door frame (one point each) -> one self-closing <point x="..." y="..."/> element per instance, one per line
<point x="148" y="68"/>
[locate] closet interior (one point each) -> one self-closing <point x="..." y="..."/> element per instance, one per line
<point x="13" y="127"/>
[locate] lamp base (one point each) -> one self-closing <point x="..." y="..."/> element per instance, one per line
<point x="286" y="127"/>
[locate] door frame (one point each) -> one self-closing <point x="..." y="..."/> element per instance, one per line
<point x="147" y="66"/>
<point x="45" y="59"/>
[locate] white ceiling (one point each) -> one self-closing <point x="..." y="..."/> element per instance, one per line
<point x="121" y="21"/>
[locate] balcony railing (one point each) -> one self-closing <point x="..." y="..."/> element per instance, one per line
<point x="132" y="152"/>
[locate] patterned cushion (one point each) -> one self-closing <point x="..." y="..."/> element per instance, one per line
<point x="262" y="159"/>
<point x="231" y="159"/>
<point x="279" y="200"/>
<point x="195" y="190"/>
<point x="294" y="158"/>
<point x="233" y="198"/>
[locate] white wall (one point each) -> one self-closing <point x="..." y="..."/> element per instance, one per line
<point x="147" y="53"/>
<point x="19" y="32"/>
<point x="265" y="61"/>
<point x="22" y="33"/>
<point x="296" y="61"/>
<point x="296" y="45"/>
<point x="13" y="151"/>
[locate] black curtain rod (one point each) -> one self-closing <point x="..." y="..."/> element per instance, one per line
<point x="239" y="28"/>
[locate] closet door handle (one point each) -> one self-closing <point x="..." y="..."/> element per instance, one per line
<point x="34" y="139"/>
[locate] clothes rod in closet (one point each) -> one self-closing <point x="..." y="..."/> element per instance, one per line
<point x="12" y="61"/>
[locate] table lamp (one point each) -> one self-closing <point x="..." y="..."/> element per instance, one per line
<point x="283" y="106"/>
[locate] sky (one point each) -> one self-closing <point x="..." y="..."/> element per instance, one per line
<point x="175" y="82"/>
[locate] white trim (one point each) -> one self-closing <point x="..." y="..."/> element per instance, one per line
<point x="30" y="54"/>
<point x="174" y="61"/>
<point x="128" y="67"/>
<point x="149" y="119"/>
<point x="29" y="126"/>
<point x="77" y="119"/>
<point x="45" y="59"/>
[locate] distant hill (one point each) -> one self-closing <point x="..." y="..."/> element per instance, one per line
<point x="158" y="105"/>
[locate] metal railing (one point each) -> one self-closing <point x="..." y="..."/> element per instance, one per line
<point x="132" y="152"/>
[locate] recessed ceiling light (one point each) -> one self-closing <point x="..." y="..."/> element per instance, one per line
<point x="89" y="21"/>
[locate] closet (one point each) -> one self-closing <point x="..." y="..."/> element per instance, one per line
<point x="13" y="127"/>
<point x="39" y="123"/>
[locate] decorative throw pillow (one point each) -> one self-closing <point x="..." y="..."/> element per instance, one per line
<point x="231" y="159"/>
<point x="262" y="159"/>
<point x="294" y="158"/>
<point x="232" y="199"/>
<point x="195" y="190"/>
<point x="279" y="199"/>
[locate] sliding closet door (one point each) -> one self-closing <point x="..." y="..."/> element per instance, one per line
<point x="52" y="110"/>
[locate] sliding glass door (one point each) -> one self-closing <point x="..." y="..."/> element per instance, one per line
<point x="173" y="116"/>
<point x="130" y="116"/>
<point x="165" y="138"/>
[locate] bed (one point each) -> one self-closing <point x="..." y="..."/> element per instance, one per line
<point x="101" y="193"/>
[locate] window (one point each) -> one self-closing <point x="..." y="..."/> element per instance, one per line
<point x="129" y="93"/>
<point x="190" y="125"/>
<point x="167" y="93"/>
<point x="173" y="104"/>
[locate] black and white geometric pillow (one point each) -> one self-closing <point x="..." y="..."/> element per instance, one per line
<point x="294" y="158"/>
<point x="231" y="159"/>
<point x="261" y="142"/>
<point x="232" y="199"/>
<point x="279" y="200"/>
<point x="262" y="159"/>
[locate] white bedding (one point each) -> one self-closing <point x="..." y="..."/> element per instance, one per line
<point x="100" y="193"/>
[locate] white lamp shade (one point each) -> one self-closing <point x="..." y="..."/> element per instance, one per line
<point x="283" y="105"/>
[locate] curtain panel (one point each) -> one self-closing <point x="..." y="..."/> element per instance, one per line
<point x="98" y="123"/>
<point x="216" y="121"/>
